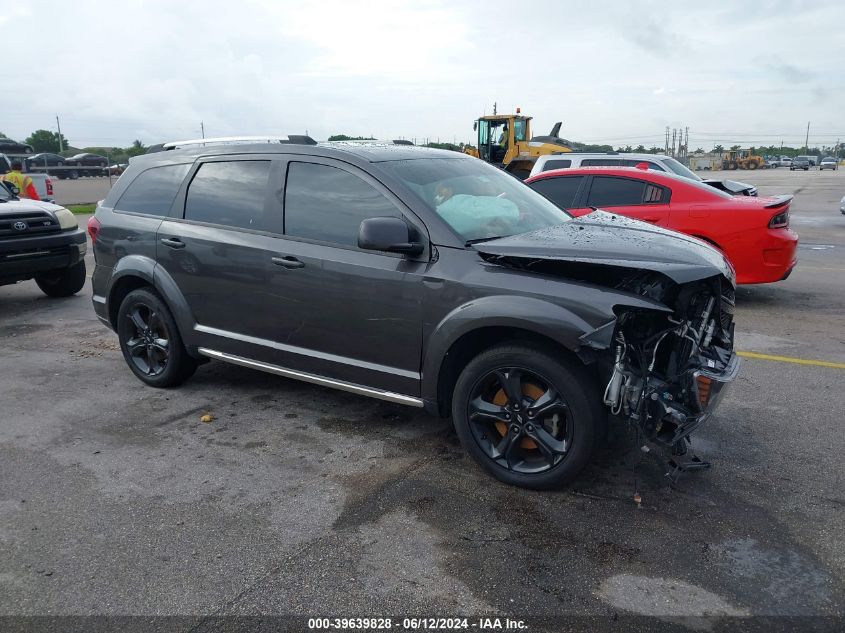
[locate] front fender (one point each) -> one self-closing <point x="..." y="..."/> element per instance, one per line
<point x="534" y="315"/>
<point x="525" y="313"/>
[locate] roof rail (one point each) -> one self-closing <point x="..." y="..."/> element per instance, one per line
<point x="295" y="139"/>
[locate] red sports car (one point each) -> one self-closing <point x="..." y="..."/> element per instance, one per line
<point x="752" y="232"/>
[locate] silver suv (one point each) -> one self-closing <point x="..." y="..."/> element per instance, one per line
<point x="659" y="162"/>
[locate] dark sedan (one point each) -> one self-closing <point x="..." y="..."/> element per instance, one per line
<point x="800" y="163"/>
<point x="90" y="164"/>
<point x="8" y="146"/>
<point x="45" y="159"/>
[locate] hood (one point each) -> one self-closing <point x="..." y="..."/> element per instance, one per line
<point x="24" y="204"/>
<point x="613" y="240"/>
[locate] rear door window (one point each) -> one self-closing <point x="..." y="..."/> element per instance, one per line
<point x="601" y="162"/>
<point x="634" y="163"/>
<point x="609" y="191"/>
<point x="328" y="204"/>
<point x="557" y="163"/>
<point x="231" y="193"/>
<point x="153" y="191"/>
<point x="561" y="190"/>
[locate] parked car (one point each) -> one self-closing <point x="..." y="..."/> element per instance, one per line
<point x="89" y="164"/>
<point x="419" y="276"/>
<point x="753" y="233"/>
<point x="8" y="146"/>
<point x="785" y="161"/>
<point x="44" y="159"/>
<point x="842" y="205"/>
<point x="40" y="241"/>
<point x="829" y="162"/>
<point x="799" y="162"/>
<point x="772" y="163"/>
<point x="657" y="162"/>
<point x="811" y="159"/>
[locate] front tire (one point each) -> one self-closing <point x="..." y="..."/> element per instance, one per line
<point x="150" y="341"/>
<point x="528" y="419"/>
<point x="62" y="283"/>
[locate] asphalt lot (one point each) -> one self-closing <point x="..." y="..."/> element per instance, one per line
<point x="116" y="499"/>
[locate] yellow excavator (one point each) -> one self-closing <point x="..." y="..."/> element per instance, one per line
<point x="505" y="140"/>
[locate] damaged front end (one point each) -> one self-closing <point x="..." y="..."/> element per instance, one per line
<point x="668" y="354"/>
<point x="670" y="369"/>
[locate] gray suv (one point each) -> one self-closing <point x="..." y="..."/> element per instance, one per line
<point x="422" y="277"/>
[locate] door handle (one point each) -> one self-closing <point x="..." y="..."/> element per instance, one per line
<point x="173" y="242"/>
<point x="287" y="262"/>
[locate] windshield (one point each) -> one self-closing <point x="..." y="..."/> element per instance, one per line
<point x="478" y="201"/>
<point x="679" y="169"/>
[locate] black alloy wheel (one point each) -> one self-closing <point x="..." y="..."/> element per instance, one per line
<point x="519" y="420"/>
<point x="149" y="347"/>
<point x="528" y="418"/>
<point x="150" y="340"/>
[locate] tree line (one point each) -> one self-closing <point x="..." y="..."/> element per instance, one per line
<point x="49" y="141"/>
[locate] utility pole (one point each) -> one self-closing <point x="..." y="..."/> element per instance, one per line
<point x="59" y="127"/>
<point x="202" y="129"/>
<point x="807" y="140"/>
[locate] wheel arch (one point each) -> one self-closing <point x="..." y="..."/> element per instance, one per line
<point x="470" y="329"/>
<point x="135" y="271"/>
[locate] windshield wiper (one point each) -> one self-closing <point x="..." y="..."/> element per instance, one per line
<point x="478" y="240"/>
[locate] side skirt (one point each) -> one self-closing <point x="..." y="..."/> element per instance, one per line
<point x="390" y="396"/>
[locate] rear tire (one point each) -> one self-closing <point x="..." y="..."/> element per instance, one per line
<point x="538" y="437"/>
<point x="150" y="341"/>
<point x="62" y="283"/>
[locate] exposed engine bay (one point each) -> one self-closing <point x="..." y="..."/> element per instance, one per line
<point x="668" y="373"/>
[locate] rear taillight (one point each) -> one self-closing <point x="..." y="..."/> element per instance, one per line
<point x="93" y="229"/>
<point x="779" y="221"/>
<point x="49" y="187"/>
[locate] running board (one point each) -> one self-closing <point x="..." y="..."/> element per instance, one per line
<point x="390" y="396"/>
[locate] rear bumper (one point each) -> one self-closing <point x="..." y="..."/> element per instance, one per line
<point x="770" y="259"/>
<point x="24" y="257"/>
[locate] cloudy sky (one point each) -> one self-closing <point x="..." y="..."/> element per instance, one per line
<point x="613" y="72"/>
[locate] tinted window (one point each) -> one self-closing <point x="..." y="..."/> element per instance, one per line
<point x="607" y="191"/>
<point x="328" y="204"/>
<point x="601" y="162"/>
<point x="152" y="192"/>
<point x="231" y="193"/>
<point x="634" y="163"/>
<point x="556" y="163"/>
<point x="559" y="190"/>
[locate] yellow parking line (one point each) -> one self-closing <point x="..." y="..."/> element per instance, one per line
<point x="792" y="359"/>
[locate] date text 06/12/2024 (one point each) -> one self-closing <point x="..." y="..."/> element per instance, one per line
<point x="415" y="624"/>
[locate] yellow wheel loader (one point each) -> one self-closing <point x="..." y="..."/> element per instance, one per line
<point x="742" y="159"/>
<point x="505" y="140"/>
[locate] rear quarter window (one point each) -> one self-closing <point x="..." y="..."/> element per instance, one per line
<point x="153" y="191"/>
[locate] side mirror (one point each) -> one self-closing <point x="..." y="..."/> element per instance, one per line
<point x="12" y="189"/>
<point x="391" y="235"/>
<point x="474" y="126"/>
